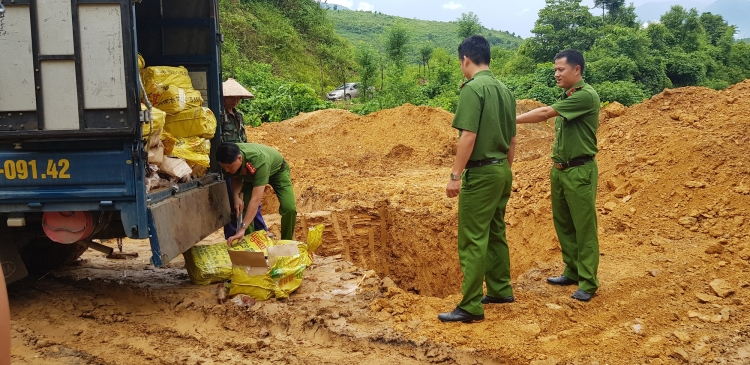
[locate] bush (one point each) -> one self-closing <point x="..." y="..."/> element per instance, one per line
<point x="276" y="99"/>
<point x="623" y="92"/>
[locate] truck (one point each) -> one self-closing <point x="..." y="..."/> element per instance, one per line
<point x="72" y="156"/>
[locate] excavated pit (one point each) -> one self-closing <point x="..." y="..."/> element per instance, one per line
<point x="378" y="185"/>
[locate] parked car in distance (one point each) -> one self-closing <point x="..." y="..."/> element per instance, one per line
<point x="347" y="92"/>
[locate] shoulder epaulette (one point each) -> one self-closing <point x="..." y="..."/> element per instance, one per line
<point x="573" y="90"/>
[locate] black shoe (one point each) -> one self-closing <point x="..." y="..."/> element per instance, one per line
<point x="561" y="280"/>
<point x="495" y="300"/>
<point x="459" y="315"/>
<point x="582" y="295"/>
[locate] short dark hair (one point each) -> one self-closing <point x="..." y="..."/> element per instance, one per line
<point x="476" y="48"/>
<point x="573" y="58"/>
<point x="227" y="152"/>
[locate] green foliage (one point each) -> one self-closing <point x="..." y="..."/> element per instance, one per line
<point x="562" y="24"/>
<point x="367" y="27"/>
<point x="368" y="67"/>
<point x="468" y="25"/>
<point x="397" y="43"/>
<point x="623" y="92"/>
<point x="281" y="48"/>
<point x="276" y="99"/>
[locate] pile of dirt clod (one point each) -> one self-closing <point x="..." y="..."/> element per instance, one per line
<point x="674" y="227"/>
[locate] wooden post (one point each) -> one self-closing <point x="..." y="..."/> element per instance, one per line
<point x="336" y="228"/>
<point x="384" y="240"/>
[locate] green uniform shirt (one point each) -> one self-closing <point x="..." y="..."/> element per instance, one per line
<point x="575" y="128"/>
<point x="233" y="128"/>
<point x="487" y="108"/>
<point x="259" y="162"/>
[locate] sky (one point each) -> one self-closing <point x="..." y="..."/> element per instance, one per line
<point x="515" y="16"/>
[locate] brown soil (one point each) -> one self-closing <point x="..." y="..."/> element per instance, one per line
<point x="674" y="194"/>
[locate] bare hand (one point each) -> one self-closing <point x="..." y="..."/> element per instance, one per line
<point x="238" y="236"/>
<point x="453" y="189"/>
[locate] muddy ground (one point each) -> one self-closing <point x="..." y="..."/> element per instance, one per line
<point x="674" y="227"/>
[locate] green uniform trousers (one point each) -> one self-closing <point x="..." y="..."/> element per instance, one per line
<point x="482" y="246"/>
<point x="574" y="215"/>
<point x="281" y="183"/>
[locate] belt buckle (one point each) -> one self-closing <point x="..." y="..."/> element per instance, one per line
<point x="558" y="166"/>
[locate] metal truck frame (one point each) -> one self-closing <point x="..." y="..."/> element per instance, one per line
<point x="71" y="125"/>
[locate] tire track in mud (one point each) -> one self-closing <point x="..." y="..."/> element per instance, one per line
<point x="60" y="320"/>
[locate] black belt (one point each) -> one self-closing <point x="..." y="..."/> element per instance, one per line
<point x="572" y="163"/>
<point x="478" y="163"/>
<point x="283" y="165"/>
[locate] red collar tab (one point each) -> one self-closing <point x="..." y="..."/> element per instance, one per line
<point x="249" y="168"/>
<point x="573" y="90"/>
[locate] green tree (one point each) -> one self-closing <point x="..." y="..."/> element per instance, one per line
<point x="367" y="59"/>
<point x="468" y="25"/>
<point x="425" y="54"/>
<point x="562" y="24"/>
<point x="397" y="43"/>
<point x="685" y="28"/>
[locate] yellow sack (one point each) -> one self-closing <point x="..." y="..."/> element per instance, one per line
<point x="141" y="62"/>
<point x="260" y="287"/>
<point x="196" y="122"/>
<point x="158" y="123"/>
<point x="194" y="151"/>
<point x="287" y="273"/>
<point x="315" y="237"/>
<point x="208" y="264"/>
<point x="314" y="240"/>
<point x="159" y="77"/>
<point x="169" y="141"/>
<point x="173" y="99"/>
<point x="258" y="241"/>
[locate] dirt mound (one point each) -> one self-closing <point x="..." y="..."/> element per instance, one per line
<point x="674" y="192"/>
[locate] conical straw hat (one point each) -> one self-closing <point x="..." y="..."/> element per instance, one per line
<point x="233" y="88"/>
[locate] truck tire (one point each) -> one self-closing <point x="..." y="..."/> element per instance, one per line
<point x="348" y="97"/>
<point x="41" y="255"/>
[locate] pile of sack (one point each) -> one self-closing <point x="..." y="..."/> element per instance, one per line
<point x="179" y="136"/>
<point x="258" y="266"/>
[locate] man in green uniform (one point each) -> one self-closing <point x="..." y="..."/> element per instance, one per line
<point x="481" y="178"/>
<point x="233" y="130"/>
<point x="252" y="166"/>
<point x="574" y="173"/>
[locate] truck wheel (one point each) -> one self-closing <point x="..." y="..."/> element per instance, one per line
<point x="41" y="255"/>
<point x="348" y="97"/>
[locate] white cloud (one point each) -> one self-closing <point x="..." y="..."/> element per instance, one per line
<point x="347" y="3"/>
<point x="365" y="6"/>
<point x="524" y="11"/>
<point x="452" y="6"/>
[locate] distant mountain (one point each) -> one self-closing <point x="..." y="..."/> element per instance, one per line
<point x="369" y="27"/>
<point x="736" y="12"/>
<point x="333" y="6"/>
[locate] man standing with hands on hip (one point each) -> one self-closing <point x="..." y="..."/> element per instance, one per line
<point x="481" y="178"/>
<point x="574" y="173"/>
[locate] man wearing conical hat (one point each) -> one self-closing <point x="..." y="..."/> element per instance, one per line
<point x="233" y="130"/>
